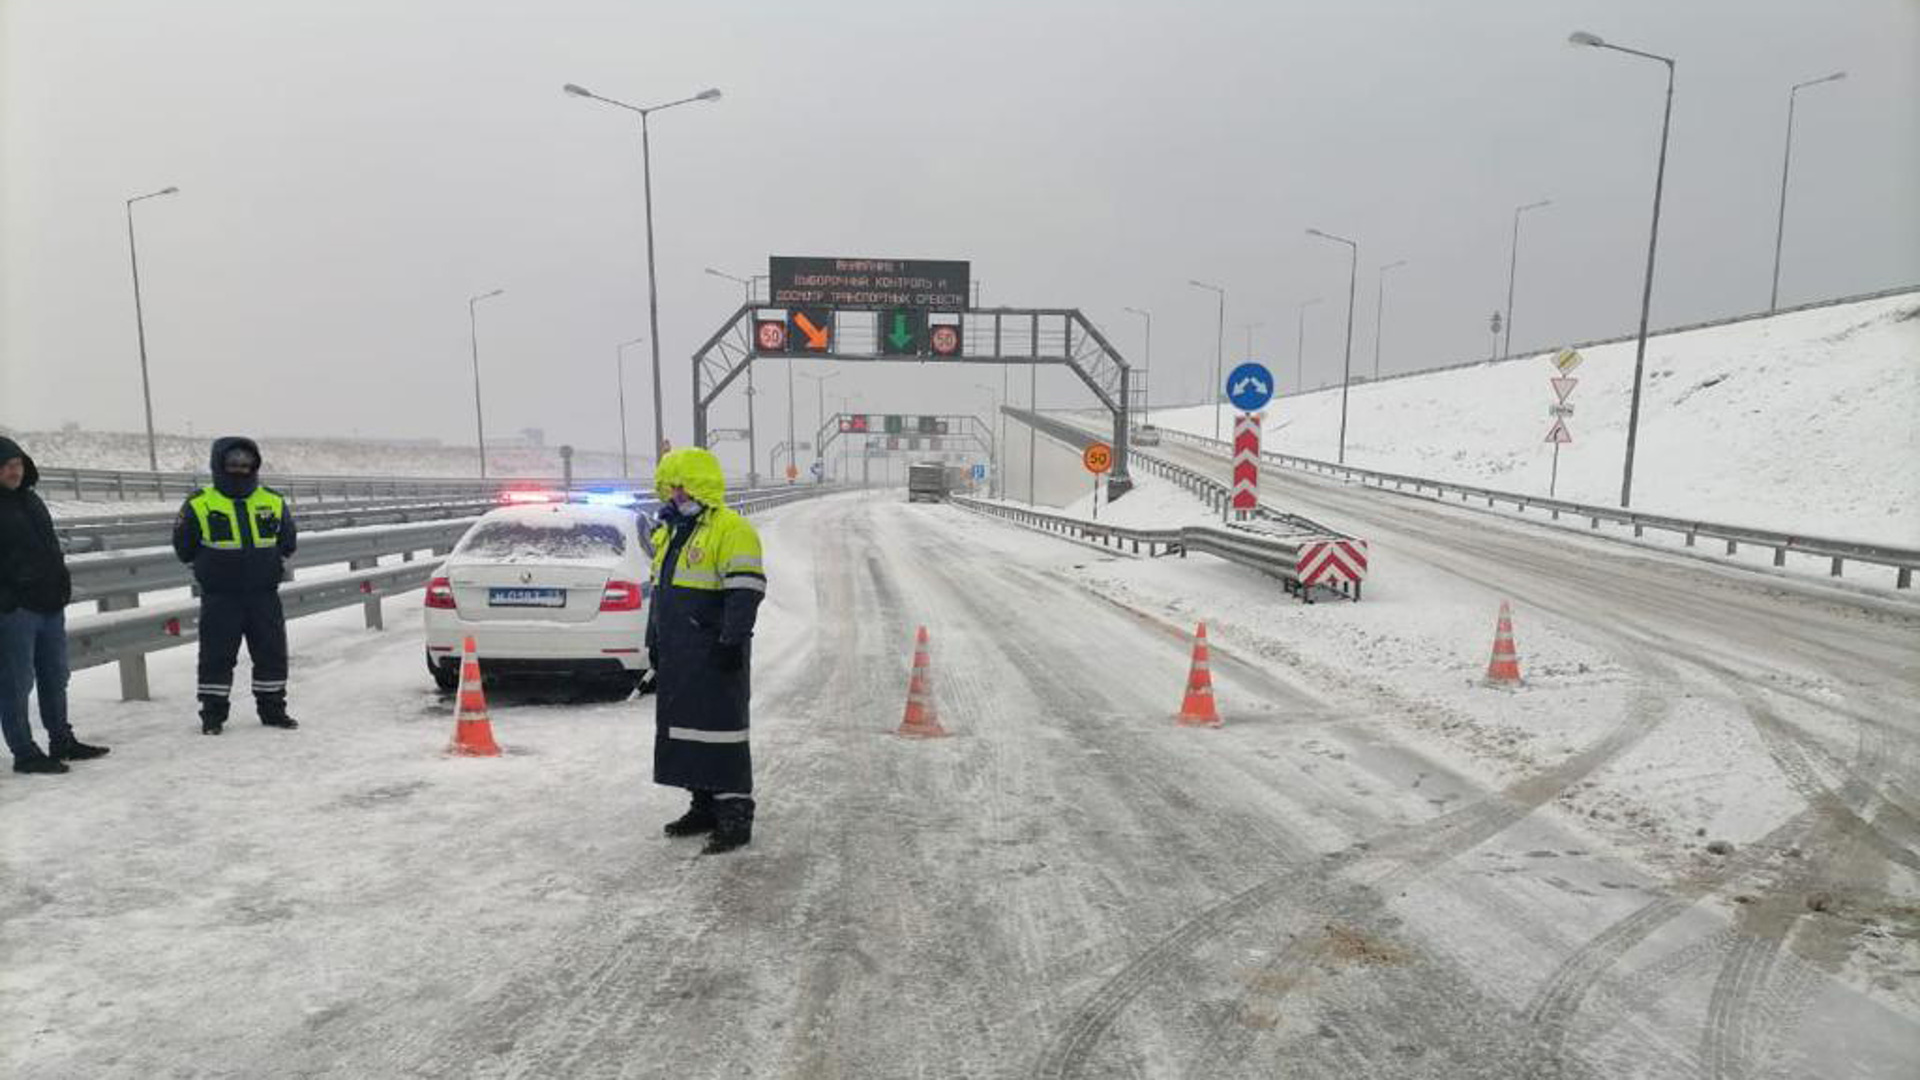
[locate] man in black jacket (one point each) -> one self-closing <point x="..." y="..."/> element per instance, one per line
<point x="34" y="590"/>
<point x="238" y="533"/>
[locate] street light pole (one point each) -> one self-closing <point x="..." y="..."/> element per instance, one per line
<point x="1219" y="347"/>
<point x="820" y="414"/>
<point x="140" y="325"/>
<point x="620" y="373"/>
<point x="1346" y="376"/>
<point x="1250" y="328"/>
<point x="1581" y="37"/>
<point x="653" y="290"/>
<point x="993" y="442"/>
<point x="1300" y="346"/>
<point x="473" y="332"/>
<point x="1513" y="267"/>
<point x="1146" y="370"/>
<point x="1786" y="161"/>
<point x="1380" y="312"/>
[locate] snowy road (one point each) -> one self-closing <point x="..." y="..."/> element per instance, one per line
<point x="1347" y="880"/>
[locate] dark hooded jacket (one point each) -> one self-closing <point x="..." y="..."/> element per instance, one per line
<point x="251" y="566"/>
<point x="33" y="571"/>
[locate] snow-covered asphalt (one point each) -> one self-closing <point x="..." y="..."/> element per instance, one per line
<point x="1355" y="877"/>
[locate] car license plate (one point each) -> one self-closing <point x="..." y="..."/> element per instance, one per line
<point x="526" y="598"/>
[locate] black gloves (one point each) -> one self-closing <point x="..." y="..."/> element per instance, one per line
<point x="730" y="657"/>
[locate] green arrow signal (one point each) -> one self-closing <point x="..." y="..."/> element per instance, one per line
<point x="901" y="336"/>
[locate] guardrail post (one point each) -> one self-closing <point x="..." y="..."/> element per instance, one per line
<point x="1690" y="537"/>
<point x="1905" y="578"/>
<point x="1836" y="566"/>
<point x="133" y="668"/>
<point x="1638" y="529"/>
<point x="120" y="486"/>
<point x="1733" y="546"/>
<point x="1780" y="556"/>
<point x="375" y="620"/>
<point x="1596" y="523"/>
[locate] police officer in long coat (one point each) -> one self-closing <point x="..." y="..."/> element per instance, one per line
<point x="708" y="581"/>
<point x="238" y="534"/>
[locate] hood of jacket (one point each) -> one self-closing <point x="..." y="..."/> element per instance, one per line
<point x="229" y="486"/>
<point x="694" y="468"/>
<point x="10" y="450"/>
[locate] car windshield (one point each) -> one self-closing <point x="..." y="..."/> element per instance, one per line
<point x="557" y="539"/>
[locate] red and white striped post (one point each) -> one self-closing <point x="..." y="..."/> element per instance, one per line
<point x="1246" y="464"/>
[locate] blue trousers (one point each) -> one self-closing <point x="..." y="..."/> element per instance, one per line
<point x="33" y="652"/>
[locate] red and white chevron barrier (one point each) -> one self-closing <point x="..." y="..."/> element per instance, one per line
<point x="1324" y="562"/>
<point x="1246" y="461"/>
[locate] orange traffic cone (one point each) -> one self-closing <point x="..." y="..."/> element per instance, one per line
<point x="473" y="734"/>
<point x="922" y="720"/>
<point x="1505" y="666"/>
<point x="1197" y="710"/>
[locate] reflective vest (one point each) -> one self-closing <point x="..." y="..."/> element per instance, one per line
<point x="723" y="553"/>
<point x="230" y="525"/>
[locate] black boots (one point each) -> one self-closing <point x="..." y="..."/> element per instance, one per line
<point x="698" y="819"/>
<point x="68" y="748"/>
<point x="213" y="718"/>
<point x="732" y="828"/>
<point x="273" y="712"/>
<point x="38" y="763"/>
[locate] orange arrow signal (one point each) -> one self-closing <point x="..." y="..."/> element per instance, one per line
<point x="816" y="335"/>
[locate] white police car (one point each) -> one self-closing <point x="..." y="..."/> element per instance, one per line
<point x="550" y="588"/>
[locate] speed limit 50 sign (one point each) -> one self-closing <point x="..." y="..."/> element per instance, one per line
<point x="1098" y="458"/>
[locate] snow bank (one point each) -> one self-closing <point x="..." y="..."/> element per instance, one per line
<point x="1803" y="422"/>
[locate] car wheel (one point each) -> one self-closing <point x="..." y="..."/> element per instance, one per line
<point x="445" y="676"/>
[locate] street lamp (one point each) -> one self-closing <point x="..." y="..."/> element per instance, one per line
<point x="820" y="411"/>
<point x="473" y="330"/>
<point x="653" y="291"/>
<point x="994" y="456"/>
<point x="1146" y="370"/>
<point x="140" y="323"/>
<point x="1513" y="266"/>
<point x="1300" y="346"/>
<point x="1380" y="311"/>
<point x="1780" y="230"/>
<point x="1346" y="376"/>
<point x="1593" y="41"/>
<point x="1219" y="346"/>
<point x="620" y="374"/>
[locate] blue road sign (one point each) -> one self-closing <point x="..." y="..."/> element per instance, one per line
<point x="1250" y="387"/>
<point x="979" y="472"/>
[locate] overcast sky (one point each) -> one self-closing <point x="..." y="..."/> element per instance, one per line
<point x="353" y="171"/>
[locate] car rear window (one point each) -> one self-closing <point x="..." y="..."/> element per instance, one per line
<point x="544" y="540"/>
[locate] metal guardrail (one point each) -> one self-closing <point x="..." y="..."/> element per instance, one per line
<point x="125" y="633"/>
<point x="1902" y="560"/>
<point x="126" y="484"/>
<point x="1275" y="553"/>
<point x="153" y="529"/>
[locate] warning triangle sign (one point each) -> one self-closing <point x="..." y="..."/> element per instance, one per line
<point x="1560" y="434"/>
<point x="1563" y="387"/>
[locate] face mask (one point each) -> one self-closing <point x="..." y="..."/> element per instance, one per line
<point x="687" y="507"/>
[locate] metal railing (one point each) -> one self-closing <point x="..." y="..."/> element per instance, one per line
<point x="1902" y="560"/>
<point x="124" y="632"/>
<point x="1275" y="553"/>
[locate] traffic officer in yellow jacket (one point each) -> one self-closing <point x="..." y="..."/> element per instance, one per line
<point x="708" y="582"/>
<point x="238" y="534"/>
